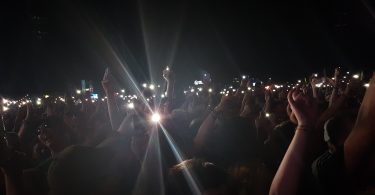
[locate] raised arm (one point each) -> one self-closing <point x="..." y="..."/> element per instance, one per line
<point x="169" y="94"/>
<point x="299" y="154"/>
<point x="113" y="110"/>
<point x="360" y="143"/>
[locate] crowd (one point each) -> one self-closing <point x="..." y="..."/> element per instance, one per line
<point x="314" y="136"/>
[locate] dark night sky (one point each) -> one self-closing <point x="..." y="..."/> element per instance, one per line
<point x="48" y="45"/>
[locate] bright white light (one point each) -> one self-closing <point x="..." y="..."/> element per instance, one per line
<point x="46" y="96"/>
<point x="267" y="87"/>
<point x="299" y="81"/>
<point x="144" y="85"/>
<point x="78" y="91"/>
<point x="242" y="92"/>
<point x="152" y="87"/>
<point x="163" y="96"/>
<point x="155" y="118"/>
<point x="5" y="108"/>
<point x="347" y="72"/>
<point x="356" y="76"/>
<point x="209" y="90"/>
<point x="5" y="101"/>
<point x="131" y="105"/>
<point x="243" y="77"/>
<point x="192" y="90"/>
<point x="253" y="84"/>
<point x="318" y="85"/>
<point x="167" y="68"/>
<point x="234" y="90"/>
<point x="103" y="99"/>
<point x="366" y="85"/>
<point x="200" y="89"/>
<point x="249" y="88"/>
<point x="122" y="90"/>
<point x="315" y="75"/>
<point x="267" y="115"/>
<point x="121" y="96"/>
<point x="38" y="102"/>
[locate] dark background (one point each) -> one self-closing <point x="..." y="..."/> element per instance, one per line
<point x="48" y="45"/>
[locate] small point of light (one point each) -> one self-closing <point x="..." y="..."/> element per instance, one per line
<point x="103" y="99"/>
<point x="167" y="68"/>
<point x="268" y="115"/>
<point x="200" y="89"/>
<point x="209" y="90"/>
<point x="152" y="87"/>
<point x="366" y="85"/>
<point x="155" y="118"/>
<point x="163" y="96"/>
<point x="78" y="91"/>
<point x="242" y="92"/>
<point x="234" y="90"/>
<point x="144" y="85"/>
<point x="46" y="96"/>
<point x="315" y="75"/>
<point x="299" y="81"/>
<point x="356" y="76"/>
<point x="122" y="90"/>
<point x="121" y="96"/>
<point x="192" y="90"/>
<point x="347" y="72"/>
<point x="5" y="101"/>
<point x="249" y="88"/>
<point x="267" y="87"/>
<point x="243" y="76"/>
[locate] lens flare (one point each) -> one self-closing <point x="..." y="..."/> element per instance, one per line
<point x="155" y="117"/>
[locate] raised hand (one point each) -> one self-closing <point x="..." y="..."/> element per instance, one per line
<point x="304" y="108"/>
<point x="229" y="105"/>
